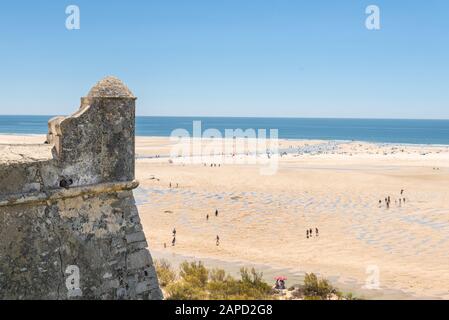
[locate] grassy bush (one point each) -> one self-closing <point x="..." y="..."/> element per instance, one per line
<point x="165" y="273"/>
<point x="195" y="282"/>
<point x="217" y="275"/>
<point x="317" y="289"/>
<point x="185" y="291"/>
<point x="194" y="273"/>
<point x="250" y="286"/>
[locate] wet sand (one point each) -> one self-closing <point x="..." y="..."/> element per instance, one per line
<point x="335" y="187"/>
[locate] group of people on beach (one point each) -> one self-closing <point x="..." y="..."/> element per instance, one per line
<point x="217" y="239"/>
<point x="216" y="214"/>
<point x="213" y="165"/>
<point x="173" y="242"/>
<point x="400" y="201"/>
<point x="309" y="233"/>
<point x="172" y="185"/>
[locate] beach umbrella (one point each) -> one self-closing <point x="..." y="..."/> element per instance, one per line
<point x="281" y="278"/>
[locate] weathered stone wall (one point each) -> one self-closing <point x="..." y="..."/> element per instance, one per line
<point x="69" y="227"/>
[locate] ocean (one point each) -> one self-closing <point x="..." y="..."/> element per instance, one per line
<point x="372" y="130"/>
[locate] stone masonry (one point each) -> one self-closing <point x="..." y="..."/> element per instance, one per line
<point x="69" y="226"/>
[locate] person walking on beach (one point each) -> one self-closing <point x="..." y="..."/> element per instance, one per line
<point x="216" y="212"/>
<point x="316" y="231"/>
<point x="307" y="233"/>
<point x="207" y="217"/>
<point x="311" y="232"/>
<point x="218" y="241"/>
<point x="174" y="232"/>
<point x="173" y="242"/>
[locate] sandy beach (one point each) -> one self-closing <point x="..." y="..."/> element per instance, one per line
<point x="333" y="186"/>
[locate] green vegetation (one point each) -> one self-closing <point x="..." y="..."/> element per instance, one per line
<point x="317" y="289"/>
<point x="195" y="282"/>
<point x="165" y="272"/>
<point x="320" y="289"/>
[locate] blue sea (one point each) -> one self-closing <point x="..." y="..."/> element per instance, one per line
<point x="373" y="130"/>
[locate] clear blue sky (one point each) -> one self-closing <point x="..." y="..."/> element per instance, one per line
<point x="230" y="57"/>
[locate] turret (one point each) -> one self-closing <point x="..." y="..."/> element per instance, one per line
<point x="96" y="144"/>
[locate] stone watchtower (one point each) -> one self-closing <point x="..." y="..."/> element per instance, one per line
<point x="69" y="226"/>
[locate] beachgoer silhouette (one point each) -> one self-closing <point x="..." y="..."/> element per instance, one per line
<point x="307" y="233"/>
<point x="218" y="241"/>
<point x="402" y="191"/>
<point x="282" y="284"/>
<point x="310" y="232"/>
<point x="173" y="241"/>
<point x="216" y="213"/>
<point x="174" y="232"/>
<point x="207" y="217"/>
<point x="316" y="231"/>
<point x="276" y="286"/>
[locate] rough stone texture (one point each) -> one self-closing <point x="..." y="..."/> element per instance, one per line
<point x="69" y="202"/>
<point x="110" y="87"/>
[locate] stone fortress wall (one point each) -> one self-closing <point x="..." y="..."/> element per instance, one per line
<point x="69" y="226"/>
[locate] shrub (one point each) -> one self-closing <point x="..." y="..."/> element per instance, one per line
<point x="185" y="291"/>
<point x="315" y="288"/>
<point x="217" y="275"/>
<point x="250" y="286"/>
<point x="165" y="273"/>
<point x="194" y="273"/>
